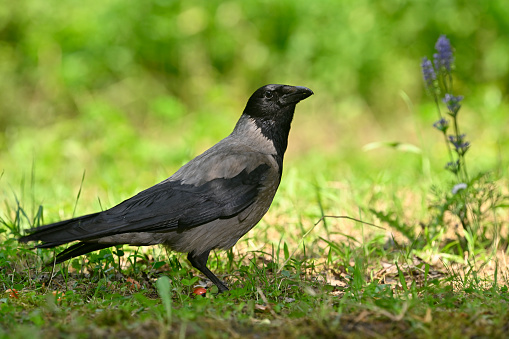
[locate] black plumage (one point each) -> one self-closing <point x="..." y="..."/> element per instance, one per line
<point x="209" y="203"/>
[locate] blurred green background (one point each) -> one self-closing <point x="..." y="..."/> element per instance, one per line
<point x="130" y="90"/>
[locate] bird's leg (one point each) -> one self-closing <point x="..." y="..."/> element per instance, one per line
<point x="200" y="263"/>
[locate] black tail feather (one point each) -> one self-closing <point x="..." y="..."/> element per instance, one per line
<point x="63" y="232"/>
<point x="77" y="250"/>
<point x="58" y="233"/>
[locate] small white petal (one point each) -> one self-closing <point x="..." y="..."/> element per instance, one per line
<point x="458" y="187"/>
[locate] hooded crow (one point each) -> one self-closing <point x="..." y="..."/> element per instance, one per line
<point x="209" y="203"/>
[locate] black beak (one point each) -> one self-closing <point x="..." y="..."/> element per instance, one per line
<point x="294" y="94"/>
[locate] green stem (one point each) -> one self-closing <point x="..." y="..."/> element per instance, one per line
<point x="451" y="156"/>
<point x="461" y="156"/>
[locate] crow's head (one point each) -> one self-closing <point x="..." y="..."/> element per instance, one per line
<point x="272" y="102"/>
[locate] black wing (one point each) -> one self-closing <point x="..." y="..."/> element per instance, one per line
<point x="165" y="207"/>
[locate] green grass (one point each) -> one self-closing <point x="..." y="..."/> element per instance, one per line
<point x="307" y="297"/>
<point x="99" y="102"/>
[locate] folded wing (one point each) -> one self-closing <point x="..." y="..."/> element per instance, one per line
<point x="168" y="206"/>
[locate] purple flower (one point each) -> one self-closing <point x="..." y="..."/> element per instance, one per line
<point x="453" y="103"/>
<point x="441" y="125"/>
<point x="444" y="58"/>
<point x="461" y="146"/>
<point x="454" y="167"/>
<point x="428" y="73"/>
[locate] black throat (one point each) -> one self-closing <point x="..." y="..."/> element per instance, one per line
<point x="277" y="129"/>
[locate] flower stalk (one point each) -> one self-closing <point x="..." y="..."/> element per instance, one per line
<point x="437" y="76"/>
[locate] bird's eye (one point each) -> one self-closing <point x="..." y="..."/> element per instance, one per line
<point x="269" y="94"/>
